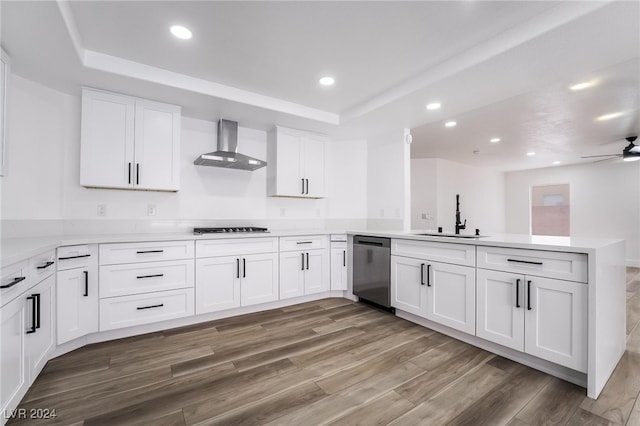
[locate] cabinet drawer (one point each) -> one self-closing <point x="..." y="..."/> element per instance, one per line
<point x="16" y="279"/>
<point x="338" y="245"/>
<point x="308" y="242"/>
<point x="235" y="246"/>
<point x="338" y="237"/>
<point x="145" y="252"/>
<point x="552" y="264"/>
<point x="136" y="278"/>
<point x="127" y="311"/>
<point x="459" y="254"/>
<point x="70" y="257"/>
<point x="42" y="265"/>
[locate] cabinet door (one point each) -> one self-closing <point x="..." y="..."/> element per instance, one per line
<point x="259" y="279"/>
<point x="451" y="296"/>
<point x="217" y="283"/>
<point x="157" y="146"/>
<point x="556" y="321"/>
<point x="500" y="316"/>
<point x="292" y="264"/>
<point x="288" y="177"/>
<point x="338" y="269"/>
<point x="13" y="355"/>
<point x="42" y="342"/>
<point x="77" y="304"/>
<point x="312" y="166"/>
<point x="408" y="285"/>
<point x="107" y="137"/>
<point x="316" y="274"/>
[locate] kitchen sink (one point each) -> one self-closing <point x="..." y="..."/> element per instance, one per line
<point x="444" y="234"/>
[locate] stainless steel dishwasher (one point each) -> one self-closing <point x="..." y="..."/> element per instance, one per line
<point x="371" y="270"/>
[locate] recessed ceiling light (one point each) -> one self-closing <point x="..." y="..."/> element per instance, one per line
<point x="531" y="153"/>
<point x="494" y="140"/>
<point x="450" y="124"/>
<point x="583" y="85"/>
<point x="609" y="116"/>
<point x="181" y="32"/>
<point x="434" y="105"/>
<point x="555" y="163"/>
<point x="327" y="81"/>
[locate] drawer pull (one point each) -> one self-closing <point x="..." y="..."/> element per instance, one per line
<point x="149" y="276"/>
<point x="529" y="262"/>
<point x="528" y="295"/>
<point x="307" y="260"/>
<point x="429" y="275"/>
<point x="422" y="274"/>
<point x="517" y="293"/>
<point x="304" y="242"/>
<point x="33" y="327"/>
<point x="74" y="257"/>
<point x="150" y="251"/>
<point x="46" y="265"/>
<point x="140" y="308"/>
<point x="14" y="282"/>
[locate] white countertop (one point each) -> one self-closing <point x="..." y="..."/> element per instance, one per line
<point x="17" y="249"/>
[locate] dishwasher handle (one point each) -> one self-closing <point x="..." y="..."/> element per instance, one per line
<point x="372" y="241"/>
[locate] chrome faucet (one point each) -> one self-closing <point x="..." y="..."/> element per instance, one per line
<point x="459" y="224"/>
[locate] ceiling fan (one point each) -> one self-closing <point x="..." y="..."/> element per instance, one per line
<point x="630" y="153"/>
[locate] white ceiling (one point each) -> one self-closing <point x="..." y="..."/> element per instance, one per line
<point x="498" y="68"/>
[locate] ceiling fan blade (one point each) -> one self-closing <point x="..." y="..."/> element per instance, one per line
<point x="606" y="155"/>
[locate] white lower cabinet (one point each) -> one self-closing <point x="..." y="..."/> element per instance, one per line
<point x="13" y="354"/>
<point x="138" y="309"/>
<point x="77" y="292"/>
<point x="41" y="336"/>
<point x="225" y="282"/>
<point x="543" y="317"/>
<point x="339" y="267"/>
<point x="304" y="272"/>
<point x="440" y="292"/>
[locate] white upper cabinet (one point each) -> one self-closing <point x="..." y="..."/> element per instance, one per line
<point x="295" y="164"/>
<point x="129" y="143"/>
<point x="4" y="73"/>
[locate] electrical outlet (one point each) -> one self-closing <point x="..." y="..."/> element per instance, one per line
<point x="151" y="210"/>
<point x="427" y="216"/>
<point x="102" y="209"/>
<point x="282" y="212"/>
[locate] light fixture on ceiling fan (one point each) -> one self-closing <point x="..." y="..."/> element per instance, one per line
<point x="630" y="153"/>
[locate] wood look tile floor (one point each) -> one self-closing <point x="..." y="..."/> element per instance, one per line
<point x="326" y="362"/>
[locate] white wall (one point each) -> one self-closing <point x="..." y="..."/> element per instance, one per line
<point x="44" y="162"/>
<point x="605" y="200"/>
<point x="434" y="185"/>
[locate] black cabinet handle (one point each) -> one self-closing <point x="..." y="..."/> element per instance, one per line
<point x="137" y="173"/>
<point x="150" y="307"/>
<point x="428" y="275"/>
<point x="74" y="257"/>
<point x="129" y="172"/>
<point x="33" y="314"/>
<point x="344" y="258"/>
<point x="529" y="262"/>
<point x="302" y="186"/>
<point x="237" y="268"/>
<point x="14" y="282"/>
<point x="302" y="261"/>
<point x="517" y="293"/>
<point x="46" y="265"/>
<point x="307" y="261"/>
<point x="149" y="276"/>
<point x="528" y="295"/>
<point x="307" y="180"/>
<point x="37" y="295"/>
<point x="304" y="242"/>
<point x="86" y="283"/>
<point x="422" y="274"/>
<point x="150" y="251"/>
<point x="244" y="268"/>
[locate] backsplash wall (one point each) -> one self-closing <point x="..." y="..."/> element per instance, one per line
<point x="44" y="163"/>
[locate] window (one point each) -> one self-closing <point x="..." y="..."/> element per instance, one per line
<point x="550" y="210"/>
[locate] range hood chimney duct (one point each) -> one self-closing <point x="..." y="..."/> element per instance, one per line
<point x="227" y="156"/>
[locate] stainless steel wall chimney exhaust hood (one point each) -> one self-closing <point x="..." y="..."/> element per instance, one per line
<point x="227" y="155"/>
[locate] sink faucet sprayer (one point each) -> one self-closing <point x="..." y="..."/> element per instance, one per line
<point x="459" y="224"/>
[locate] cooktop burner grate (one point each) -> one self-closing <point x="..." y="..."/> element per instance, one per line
<point x="229" y="229"/>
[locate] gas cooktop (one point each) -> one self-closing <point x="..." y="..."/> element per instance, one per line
<point x="234" y="229"/>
